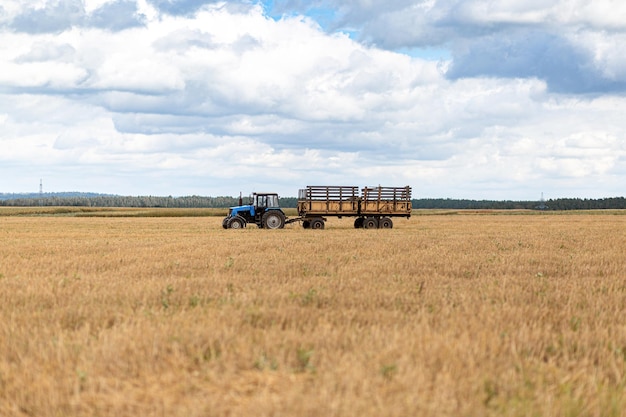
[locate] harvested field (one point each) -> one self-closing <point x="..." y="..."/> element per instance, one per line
<point x="445" y="315"/>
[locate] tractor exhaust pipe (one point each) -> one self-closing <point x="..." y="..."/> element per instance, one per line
<point x="240" y="199"/>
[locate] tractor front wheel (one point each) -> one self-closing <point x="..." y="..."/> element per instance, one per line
<point x="236" y="223"/>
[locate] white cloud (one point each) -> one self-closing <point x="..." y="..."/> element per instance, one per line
<point x="513" y="38"/>
<point x="215" y="100"/>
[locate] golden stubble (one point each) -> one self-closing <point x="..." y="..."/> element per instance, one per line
<point x="442" y="315"/>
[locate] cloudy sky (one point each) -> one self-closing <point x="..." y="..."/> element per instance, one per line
<point x="479" y="99"/>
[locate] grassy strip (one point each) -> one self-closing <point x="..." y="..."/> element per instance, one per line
<point x="111" y="212"/>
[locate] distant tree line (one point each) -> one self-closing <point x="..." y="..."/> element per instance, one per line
<point x="586" y="204"/>
<point x="556" y="204"/>
<point x="100" y="200"/>
<point x="123" y="201"/>
<point x="447" y="203"/>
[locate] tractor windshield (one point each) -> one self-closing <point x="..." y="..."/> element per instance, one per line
<point x="272" y="200"/>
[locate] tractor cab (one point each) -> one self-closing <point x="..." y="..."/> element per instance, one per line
<point x="263" y="210"/>
<point x="263" y="201"/>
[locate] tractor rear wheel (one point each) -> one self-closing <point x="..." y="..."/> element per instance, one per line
<point x="273" y="220"/>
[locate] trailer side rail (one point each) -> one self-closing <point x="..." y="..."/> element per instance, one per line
<point x="386" y="200"/>
<point x="329" y="200"/>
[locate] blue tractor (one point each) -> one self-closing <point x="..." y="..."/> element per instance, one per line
<point x="263" y="211"/>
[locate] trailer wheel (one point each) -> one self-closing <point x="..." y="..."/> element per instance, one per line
<point x="236" y="223"/>
<point x="317" y="224"/>
<point x="385" y="223"/>
<point x="358" y="223"/>
<point x="370" y="223"/>
<point x="306" y="224"/>
<point x="273" y="220"/>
